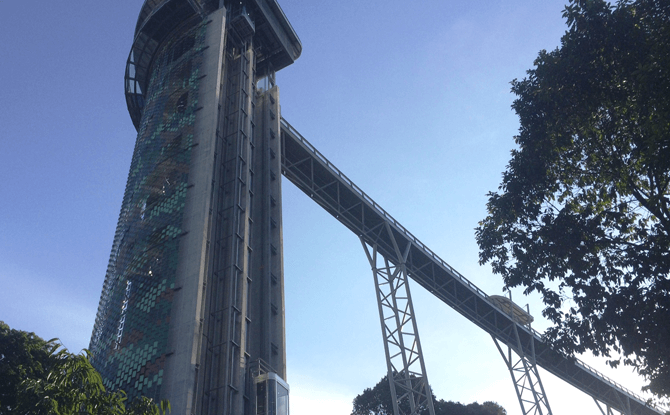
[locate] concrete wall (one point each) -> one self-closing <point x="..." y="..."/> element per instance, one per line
<point x="188" y="307"/>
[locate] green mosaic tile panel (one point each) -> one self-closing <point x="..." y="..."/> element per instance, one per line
<point x="129" y="344"/>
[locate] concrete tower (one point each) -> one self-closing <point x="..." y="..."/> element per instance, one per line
<point x="192" y="307"/>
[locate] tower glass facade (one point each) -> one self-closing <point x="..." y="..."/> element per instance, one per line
<point x="130" y="337"/>
<point x="192" y="306"/>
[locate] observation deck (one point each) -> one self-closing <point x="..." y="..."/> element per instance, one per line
<point x="275" y="42"/>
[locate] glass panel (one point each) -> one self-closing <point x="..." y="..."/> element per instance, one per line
<point x="272" y="397"/>
<point x="130" y="339"/>
<point x="260" y="398"/>
<point x="282" y="400"/>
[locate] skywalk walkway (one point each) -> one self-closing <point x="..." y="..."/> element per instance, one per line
<point x="312" y="173"/>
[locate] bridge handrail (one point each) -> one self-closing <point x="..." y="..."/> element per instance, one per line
<point x="379" y="209"/>
<point x="429" y="252"/>
<point x="596" y="372"/>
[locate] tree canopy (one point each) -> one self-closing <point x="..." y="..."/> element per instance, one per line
<point x="42" y="377"/>
<point x="582" y="215"/>
<point x="377" y="401"/>
<point x="22" y="356"/>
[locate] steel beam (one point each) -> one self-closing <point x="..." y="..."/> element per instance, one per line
<point x="410" y="391"/>
<point x="527" y="383"/>
<point x="607" y="410"/>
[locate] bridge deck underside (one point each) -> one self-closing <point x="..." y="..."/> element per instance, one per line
<point x="305" y="167"/>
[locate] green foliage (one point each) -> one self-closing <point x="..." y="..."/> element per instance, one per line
<point x="22" y="356"/>
<point x="583" y="212"/>
<point x="42" y="377"/>
<point x="378" y="401"/>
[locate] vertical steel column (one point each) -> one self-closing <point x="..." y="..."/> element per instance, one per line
<point x="526" y="377"/>
<point x="623" y="403"/>
<point x="226" y="317"/>
<point x="266" y="316"/>
<point x="607" y="408"/>
<point x="410" y="391"/>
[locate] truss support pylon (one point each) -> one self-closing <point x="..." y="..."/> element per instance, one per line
<point x="607" y="410"/>
<point x="525" y="375"/>
<point x="410" y="391"/>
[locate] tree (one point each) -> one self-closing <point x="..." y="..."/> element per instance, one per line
<point x="42" y="377"/>
<point x="377" y="401"/>
<point x="583" y="211"/>
<point x="22" y="356"/>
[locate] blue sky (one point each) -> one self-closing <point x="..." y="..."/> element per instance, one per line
<point x="410" y="100"/>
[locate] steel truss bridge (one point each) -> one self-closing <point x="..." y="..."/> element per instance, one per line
<point x="395" y="254"/>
